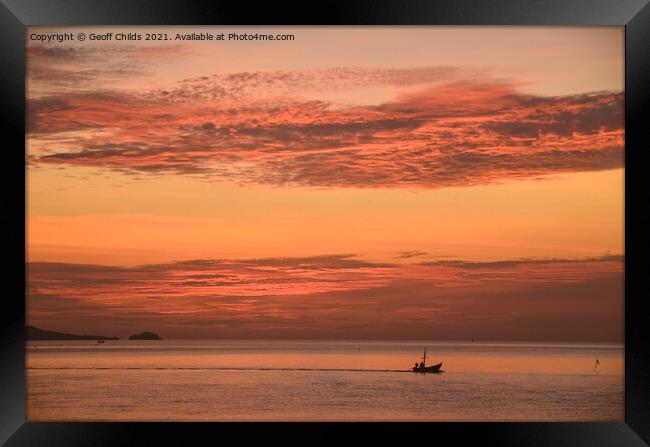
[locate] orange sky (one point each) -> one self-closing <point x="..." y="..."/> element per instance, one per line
<point x="424" y="182"/>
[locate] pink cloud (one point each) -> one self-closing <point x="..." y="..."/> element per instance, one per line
<point x="316" y="296"/>
<point x="258" y="128"/>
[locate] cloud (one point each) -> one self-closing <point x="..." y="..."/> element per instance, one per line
<point x="332" y="296"/>
<point x="283" y="86"/>
<point x="411" y="254"/>
<point x="443" y="127"/>
<point x="57" y="69"/>
<point x="520" y="262"/>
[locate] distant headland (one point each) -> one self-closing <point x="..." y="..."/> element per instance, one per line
<point x="34" y="333"/>
<point x="145" y="336"/>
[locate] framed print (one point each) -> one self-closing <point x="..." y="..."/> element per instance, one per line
<point x="395" y="222"/>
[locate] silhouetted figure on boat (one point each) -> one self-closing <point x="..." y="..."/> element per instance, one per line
<point x="423" y="368"/>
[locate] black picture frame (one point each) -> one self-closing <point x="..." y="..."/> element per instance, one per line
<point x="633" y="14"/>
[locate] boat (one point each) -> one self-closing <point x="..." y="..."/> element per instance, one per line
<point x="423" y="368"/>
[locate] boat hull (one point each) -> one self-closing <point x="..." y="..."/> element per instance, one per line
<point x="428" y="369"/>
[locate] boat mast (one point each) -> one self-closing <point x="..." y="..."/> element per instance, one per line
<point x="424" y="358"/>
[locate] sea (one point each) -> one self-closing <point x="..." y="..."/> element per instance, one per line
<point x="293" y="380"/>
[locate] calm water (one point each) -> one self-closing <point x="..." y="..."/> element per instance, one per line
<point x="262" y="380"/>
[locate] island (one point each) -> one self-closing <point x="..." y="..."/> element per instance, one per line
<point x="145" y="336"/>
<point x="34" y="333"/>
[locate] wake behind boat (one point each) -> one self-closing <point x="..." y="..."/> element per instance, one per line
<point x="423" y="368"/>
